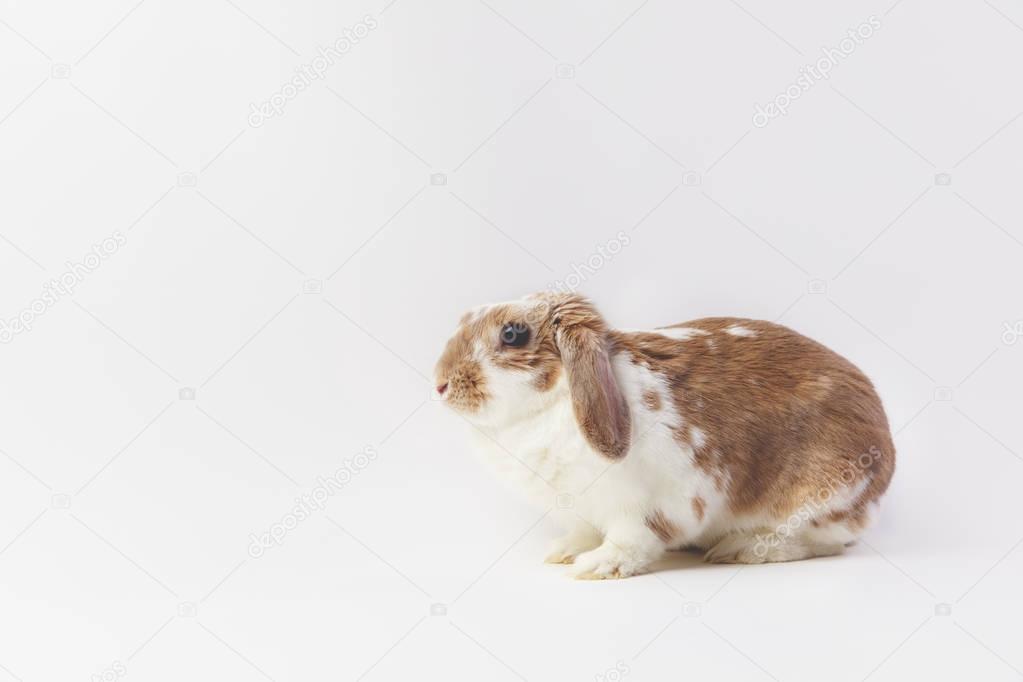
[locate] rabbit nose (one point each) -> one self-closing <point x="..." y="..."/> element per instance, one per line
<point x="442" y="388"/>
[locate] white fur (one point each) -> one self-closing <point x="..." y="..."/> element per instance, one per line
<point x="680" y="333"/>
<point x="738" y="330"/>
<point x="676" y="333"/>
<point x="546" y="452"/>
<point x="699" y="438"/>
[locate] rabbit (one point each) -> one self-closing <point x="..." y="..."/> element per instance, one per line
<point x="738" y="437"/>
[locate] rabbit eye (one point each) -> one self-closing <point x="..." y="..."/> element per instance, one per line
<point x="514" y="335"/>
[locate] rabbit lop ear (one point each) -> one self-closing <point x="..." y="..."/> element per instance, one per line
<point x="598" y="404"/>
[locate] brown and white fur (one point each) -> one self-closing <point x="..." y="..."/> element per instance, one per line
<point x="740" y="437"/>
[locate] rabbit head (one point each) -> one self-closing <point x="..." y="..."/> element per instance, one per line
<point x="507" y="360"/>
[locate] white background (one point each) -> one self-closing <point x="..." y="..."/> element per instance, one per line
<point x="881" y="215"/>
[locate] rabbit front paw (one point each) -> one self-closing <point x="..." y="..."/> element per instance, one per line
<point x="565" y="549"/>
<point x="610" y="561"/>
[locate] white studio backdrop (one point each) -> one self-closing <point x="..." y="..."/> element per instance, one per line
<point x="235" y="234"/>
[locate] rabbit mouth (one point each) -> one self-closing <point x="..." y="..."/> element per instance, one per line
<point x="462" y="388"/>
<point x="465" y="399"/>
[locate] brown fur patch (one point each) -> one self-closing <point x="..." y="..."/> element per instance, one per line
<point x="698" y="508"/>
<point x="786" y="416"/>
<point x="466" y="386"/>
<point x="661" y="526"/>
<point x="652" y="400"/>
<point x="548" y="375"/>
